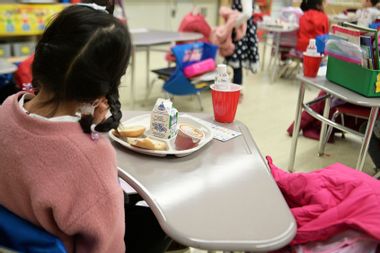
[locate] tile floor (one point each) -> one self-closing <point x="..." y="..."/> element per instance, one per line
<point x="267" y="109"/>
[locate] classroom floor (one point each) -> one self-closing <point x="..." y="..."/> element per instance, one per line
<point x="267" y="109"/>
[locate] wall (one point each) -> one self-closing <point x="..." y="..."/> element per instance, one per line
<point x="166" y="14"/>
<point x="277" y="5"/>
<point x="336" y="6"/>
<point x="163" y="14"/>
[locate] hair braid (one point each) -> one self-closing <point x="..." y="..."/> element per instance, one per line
<point x="115" y="108"/>
<point x="86" y="122"/>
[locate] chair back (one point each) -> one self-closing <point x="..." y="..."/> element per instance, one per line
<point x="185" y="55"/>
<point x="20" y="235"/>
<point x="192" y="22"/>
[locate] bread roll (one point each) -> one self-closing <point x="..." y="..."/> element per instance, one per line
<point x="130" y="131"/>
<point x="148" y="143"/>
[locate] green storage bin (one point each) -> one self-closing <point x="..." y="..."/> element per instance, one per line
<point x="353" y="77"/>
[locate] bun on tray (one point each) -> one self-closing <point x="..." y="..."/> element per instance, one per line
<point x="130" y="131"/>
<point x="148" y="143"/>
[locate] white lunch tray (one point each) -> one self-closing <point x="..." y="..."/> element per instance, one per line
<point x="144" y="120"/>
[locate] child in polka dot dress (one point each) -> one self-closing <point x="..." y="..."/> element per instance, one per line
<point x="246" y="53"/>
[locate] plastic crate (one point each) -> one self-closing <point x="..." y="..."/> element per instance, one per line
<point x="353" y="77"/>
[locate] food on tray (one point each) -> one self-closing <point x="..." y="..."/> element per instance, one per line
<point x="188" y="136"/>
<point x="148" y="143"/>
<point x="130" y="131"/>
<point x="164" y="118"/>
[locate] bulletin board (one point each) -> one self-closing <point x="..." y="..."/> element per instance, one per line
<point x="26" y="19"/>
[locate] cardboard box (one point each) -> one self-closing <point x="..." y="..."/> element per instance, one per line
<point x="164" y="118"/>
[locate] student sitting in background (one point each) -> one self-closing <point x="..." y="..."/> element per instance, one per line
<point x="57" y="171"/>
<point x="369" y="13"/>
<point x="313" y="22"/>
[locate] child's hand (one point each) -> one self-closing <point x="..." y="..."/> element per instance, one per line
<point x="101" y="109"/>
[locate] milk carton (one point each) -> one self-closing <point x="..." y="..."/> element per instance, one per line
<point x="164" y="118"/>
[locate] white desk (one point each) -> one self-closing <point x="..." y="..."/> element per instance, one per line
<point x="145" y="39"/>
<point x="277" y="31"/>
<point x="341" y="18"/>
<point x="222" y="197"/>
<point x="332" y="89"/>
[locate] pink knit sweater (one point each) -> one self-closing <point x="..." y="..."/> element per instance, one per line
<point x="55" y="176"/>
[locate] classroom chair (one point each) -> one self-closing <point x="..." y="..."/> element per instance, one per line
<point x="359" y="113"/>
<point x="290" y="59"/>
<point x="175" y="81"/>
<point x="20" y="235"/>
<point x="191" y="22"/>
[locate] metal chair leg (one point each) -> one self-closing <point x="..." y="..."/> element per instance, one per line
<point x="295" y="71"/>
<point x="330" y="128"/>
<point x="200" y="101"/>
<point x="282" y="71"/>
<point x="326" y="111"/>
<point x="342" y="121"/>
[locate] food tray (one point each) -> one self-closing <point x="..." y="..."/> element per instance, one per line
<point x="144" y="120"/>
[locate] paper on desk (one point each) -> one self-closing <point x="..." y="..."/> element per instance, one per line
<point x="220" y="133"/>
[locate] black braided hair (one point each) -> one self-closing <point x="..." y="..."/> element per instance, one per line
<point x="81" y="57"/>
<point x="115" y="109"/>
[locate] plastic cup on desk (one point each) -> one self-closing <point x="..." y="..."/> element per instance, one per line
<point x="311" y="60"/>
<point x="311" y="65"/>
<point x="225" y="99"/>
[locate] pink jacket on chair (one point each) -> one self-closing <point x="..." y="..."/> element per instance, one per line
<point x="330" y="200"/>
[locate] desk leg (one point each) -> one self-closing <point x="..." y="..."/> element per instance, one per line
<point x="323" y="133"/>
<point x="276" y="60"/>
<point x="147" y="72"/>
<point x="296" y="127"/>
<point x="264" y="52"/>
<point x="367" y="138"/>
<point x="133" y="76"/>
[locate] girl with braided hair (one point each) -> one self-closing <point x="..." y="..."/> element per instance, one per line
<point x="56" y="170"/>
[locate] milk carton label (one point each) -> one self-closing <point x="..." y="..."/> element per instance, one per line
<point x="164" y="118"/>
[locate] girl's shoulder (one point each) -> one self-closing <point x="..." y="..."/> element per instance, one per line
<point x="98" y="148"/>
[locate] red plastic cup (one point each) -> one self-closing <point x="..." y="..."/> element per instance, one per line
<point x="311" y="65"/>
<point x="225" y="102"/>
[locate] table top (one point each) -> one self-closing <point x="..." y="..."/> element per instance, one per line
<point x="277" y="29"/>
<point x="6" y="67"/>
<point x="221" y="197"/>
<point x="341" y="17"/>
<point x="147" y="37"/>
<point x="322" y="83"/>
